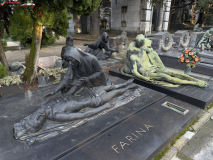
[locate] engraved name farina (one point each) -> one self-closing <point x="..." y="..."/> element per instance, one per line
<point x="131" y="138"/>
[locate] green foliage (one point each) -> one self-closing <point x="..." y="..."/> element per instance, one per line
<point x="3" y="71"/>
<point x="84" y="6"/>
<point x="206" y="7"/>
<point x="21" y="28"/>
<point x="162" y="153"/>
<point x="6" y="81"/>
<point x="55" y="19"/>
<point x="52" y="72"/>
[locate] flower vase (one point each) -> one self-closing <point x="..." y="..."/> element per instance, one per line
<point x="187" y="70"/>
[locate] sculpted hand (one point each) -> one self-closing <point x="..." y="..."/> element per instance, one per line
<point x="49" y="94"/>
<point x="116" y="51"/>
<point x="81" y="81"/>
<point x="85" y="44"/>
<point x="150" y="49"/>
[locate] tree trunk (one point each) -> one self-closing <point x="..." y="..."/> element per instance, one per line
<point x="95" y="23"/>
<point x="32" y="64"/>
<point x="3" y="58"/>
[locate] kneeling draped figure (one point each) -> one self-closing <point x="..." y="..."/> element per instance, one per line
<point x="144" y="63"/>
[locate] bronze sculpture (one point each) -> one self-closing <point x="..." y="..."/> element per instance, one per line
<point x="85" y="92"/>
<point x="83" y="69"/>
<point x="144" y="63"/>
<point x="68" y="108"/>
<point x="96" y="48"/>
<point x="197" y="28"/>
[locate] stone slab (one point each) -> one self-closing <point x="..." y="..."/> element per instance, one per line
<point x="141" y="137"/>
<point x="12" y="89"/>
<point x="200" y="97"/>
<point x="195" y="38"/>
<point x="16" y="107"/>
<point x="171" y="60"/>
<point x="109" y="62"/>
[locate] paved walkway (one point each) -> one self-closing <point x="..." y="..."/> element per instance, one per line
<point x="54" y="50"/>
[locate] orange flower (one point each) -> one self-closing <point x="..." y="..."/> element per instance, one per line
<point x="193" y="56"/>
<point x="191" y="53"/>
<point x="181" y="55"/>
<point x="187" y="51"/>
<point x="187" y="60"/>
<point x="181" y="59"/>
<point x="194" y="62"/>
<point x="196" y="59"/>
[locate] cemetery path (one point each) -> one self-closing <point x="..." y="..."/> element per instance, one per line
<point x="53" y="50"/>
<point x="200" y="146"/>
<point x="19" y="55"/>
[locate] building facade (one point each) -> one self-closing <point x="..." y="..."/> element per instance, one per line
<point x="138" y="16"/>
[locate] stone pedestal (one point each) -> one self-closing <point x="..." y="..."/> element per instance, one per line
<point x="162" y="42"/>
<point x="195" y="38"/>
<point x="119" y="42"/>
<point x="181" y="39"/>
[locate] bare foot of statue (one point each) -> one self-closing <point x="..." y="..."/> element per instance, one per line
<point x="203" y="84"/>
<point x="133" y="86"/>
<point x="130" y="81"/>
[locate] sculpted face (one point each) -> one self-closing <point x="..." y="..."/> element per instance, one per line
<point x="211" y="31"/>
<point x="139" y="43"/>
<point x="73" y="61"/>
<point x="31" y="124"/>
<point x="34" y="123"/>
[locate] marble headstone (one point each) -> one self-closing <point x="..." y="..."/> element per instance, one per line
<point x="120" y="42"/>
<point x="181" y="39"/>
<point x="162" y="42"/>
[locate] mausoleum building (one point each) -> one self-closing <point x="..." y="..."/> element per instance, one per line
<point x="138" y="16"/>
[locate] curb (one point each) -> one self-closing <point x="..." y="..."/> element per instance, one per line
<point x="180" y="143"/>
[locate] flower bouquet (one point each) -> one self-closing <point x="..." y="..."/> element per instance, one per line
<point x="189" y="58"/>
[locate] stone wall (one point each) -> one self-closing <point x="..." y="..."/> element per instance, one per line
<point x="138" y="18"/>
<point x="132" y="17"/>
<point x="71" y="26"/>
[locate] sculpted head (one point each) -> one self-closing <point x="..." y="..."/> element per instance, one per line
<point x="105" y="37"/>
<point x="69" y="40"/>
<point x="142" y="41"/>
<point x="139" y="40"/>
<point x="30" y="124"/>
<point x="211" y="31"/>
<point x="73" y="56"/>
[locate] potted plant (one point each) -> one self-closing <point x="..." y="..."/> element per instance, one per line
<point x="189" y="58"/>
<point x="44" y="75"/>
<point x="104" y="22"/>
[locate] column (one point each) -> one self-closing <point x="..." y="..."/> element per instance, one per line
<point x="145" y="16"/>
<point x="166" y="15"/>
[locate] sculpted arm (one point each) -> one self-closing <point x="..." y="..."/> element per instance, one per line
<point x="135" y="69"/>
<point x="99" y="72"/>
<point x="95" y="44"/>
